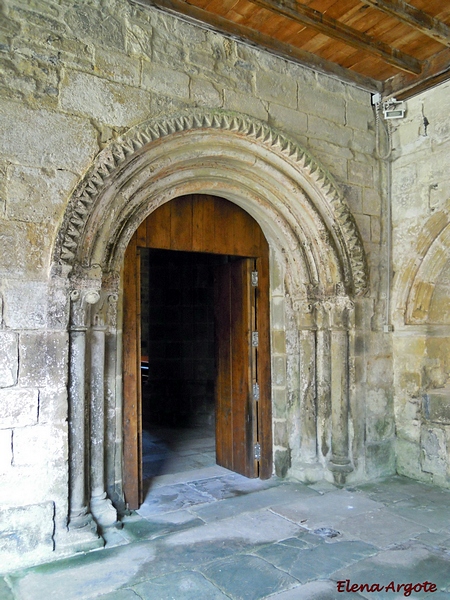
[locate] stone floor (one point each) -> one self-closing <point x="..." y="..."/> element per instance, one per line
<point x="205" y="533"/>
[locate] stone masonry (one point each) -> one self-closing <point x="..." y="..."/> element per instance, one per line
<point x="74" y="78"/>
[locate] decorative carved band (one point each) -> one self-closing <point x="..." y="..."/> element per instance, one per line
<point x="136" y="138"/>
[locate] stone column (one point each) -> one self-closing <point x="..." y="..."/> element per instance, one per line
<point x="323" y="382"/>
<point x="80" y="519"/>
<point x="339" y="309"/>
<point x="307" y="372"/>
<point x="101" y="506"/>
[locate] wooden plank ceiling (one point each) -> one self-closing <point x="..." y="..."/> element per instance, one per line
<point x="393" y="47"/>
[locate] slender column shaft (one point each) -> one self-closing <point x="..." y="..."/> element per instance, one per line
<point x="97" y="411"/>
<point x="339" y="396"/>
<point x="77" y="464"/>
<point x="308" y="441"/>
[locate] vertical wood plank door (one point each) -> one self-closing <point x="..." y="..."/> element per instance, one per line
<point x="236" y="415"/>
<point x="203" y="223"/>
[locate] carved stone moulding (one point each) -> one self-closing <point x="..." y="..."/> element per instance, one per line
<point x="115" y="159"/>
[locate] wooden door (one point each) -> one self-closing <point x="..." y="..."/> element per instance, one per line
<point x="203" y="223"/>
<point x="236" y="413"/>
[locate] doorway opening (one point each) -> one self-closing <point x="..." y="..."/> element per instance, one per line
<point x="177" y="361"/>
<point x="200" y="266"/>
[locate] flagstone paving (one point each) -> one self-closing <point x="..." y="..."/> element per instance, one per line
<point x="209" y="534"/>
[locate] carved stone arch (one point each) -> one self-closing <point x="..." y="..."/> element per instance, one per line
<point x="417" y="281"/>
<point x="318" y="266"/>
<point x="210" y="139"/>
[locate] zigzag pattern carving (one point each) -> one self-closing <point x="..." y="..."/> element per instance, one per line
<point x="136" y="138"/>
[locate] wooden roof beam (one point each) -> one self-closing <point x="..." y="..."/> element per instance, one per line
<point x="403" y="86"/>
<point x="255" y="38"/>
<point x="335" y="29"/>
<point x="414" y="17"/>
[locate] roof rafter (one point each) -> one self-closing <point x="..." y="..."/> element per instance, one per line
<point x="414" y="17"/>
<point x="335" y="29"/>
<point x="256" y="38"/>
<point x="436" y="70"/>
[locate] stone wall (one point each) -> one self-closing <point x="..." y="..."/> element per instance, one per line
<point x="73" y="77"/>
<point x="421" y="260"/>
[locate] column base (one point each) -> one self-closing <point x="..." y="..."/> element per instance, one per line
<point x="103" y="511"/>
<point x="307" y="472"/>
<point x="79" y="538"/>
<point x="340" y="467"/>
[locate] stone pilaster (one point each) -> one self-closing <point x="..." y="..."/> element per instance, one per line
<point x="339" y="309"/>
<point x="80" y="520"/>
<point x="101" y="506"/>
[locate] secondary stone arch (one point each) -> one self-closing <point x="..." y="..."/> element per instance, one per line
<point x="319" y="268"/>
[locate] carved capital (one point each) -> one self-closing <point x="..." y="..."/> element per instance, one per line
<point x="80" y="302"/>
<point x="304" y="311"/>
<point x="104" y="314"/>
<point x="337" y="311"/>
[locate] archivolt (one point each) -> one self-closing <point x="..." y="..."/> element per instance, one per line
<point x="214" y="152"/>
<point x="425" y="267"/>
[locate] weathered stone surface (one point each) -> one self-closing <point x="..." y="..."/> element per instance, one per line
<point x="44" y="138"/>
<point x="275" y="88"/>
<point x="18" y="407"/>
<point x="37" y="445"/>
<point x="43" y="359"/>
<point x="26" y="304"/>
<point x="28" y="248"/>
<point x="26" y="533"/>
<point x="108" y="102"/>
<point x="163" y="80"/>
<point x="9" y="358"/>
<point x="27" y="186"/>
<point x="204" y="93"/>
<point x="245" y="104"/>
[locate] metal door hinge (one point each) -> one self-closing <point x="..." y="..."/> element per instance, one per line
<point x="257" y="451"/>
<point x="254" y="278"/>
<point x="256" y="391"/>
<point x="255" y="338"/>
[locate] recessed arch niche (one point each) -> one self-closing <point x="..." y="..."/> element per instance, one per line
<point x="318" y="270"/>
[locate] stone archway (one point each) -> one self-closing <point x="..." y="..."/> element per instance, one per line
<point x="318" y="269"/>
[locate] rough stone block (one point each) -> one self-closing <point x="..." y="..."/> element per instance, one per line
<point x="117" y="67"/>
<point x="18" y="407"/>
<point x="433" y="450"/>
<point x="360" y="116"/>
<point x="371" y="202"/>
<point x="52" y="405"/>
<point x="26" y="532"/>
<point x="28" y="248"/>
<point x="363" y="223"/>
<point x="353" y="196"/>
<point x="26" y="304"/>
<point x="5" y="450"/>
<point x="380" y="459"/>
<point x="92" y="24"/>
<point x="360" y="173"/>
<point x="45" y="138"/>
<point x="43" y="359"/>
<point x="203" y="93"/>
<point x="163" y="80"/>
<point x="27" y="186"/>
<point x="111" y="103"/>
<point x="375" y="229"/>
<point x="276" y="88"/>
<point x="9" y="358"/>
<point x="40" y="444"/>
<point x="324" y="104"/>
<point x="244" y="104"/>
<point x="288" y="120"/>
<point x="321" y="128"/>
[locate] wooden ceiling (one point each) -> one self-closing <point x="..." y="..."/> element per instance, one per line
<point x="393" y="47"/>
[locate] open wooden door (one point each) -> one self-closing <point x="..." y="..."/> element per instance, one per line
<point x="201" y="223"/>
